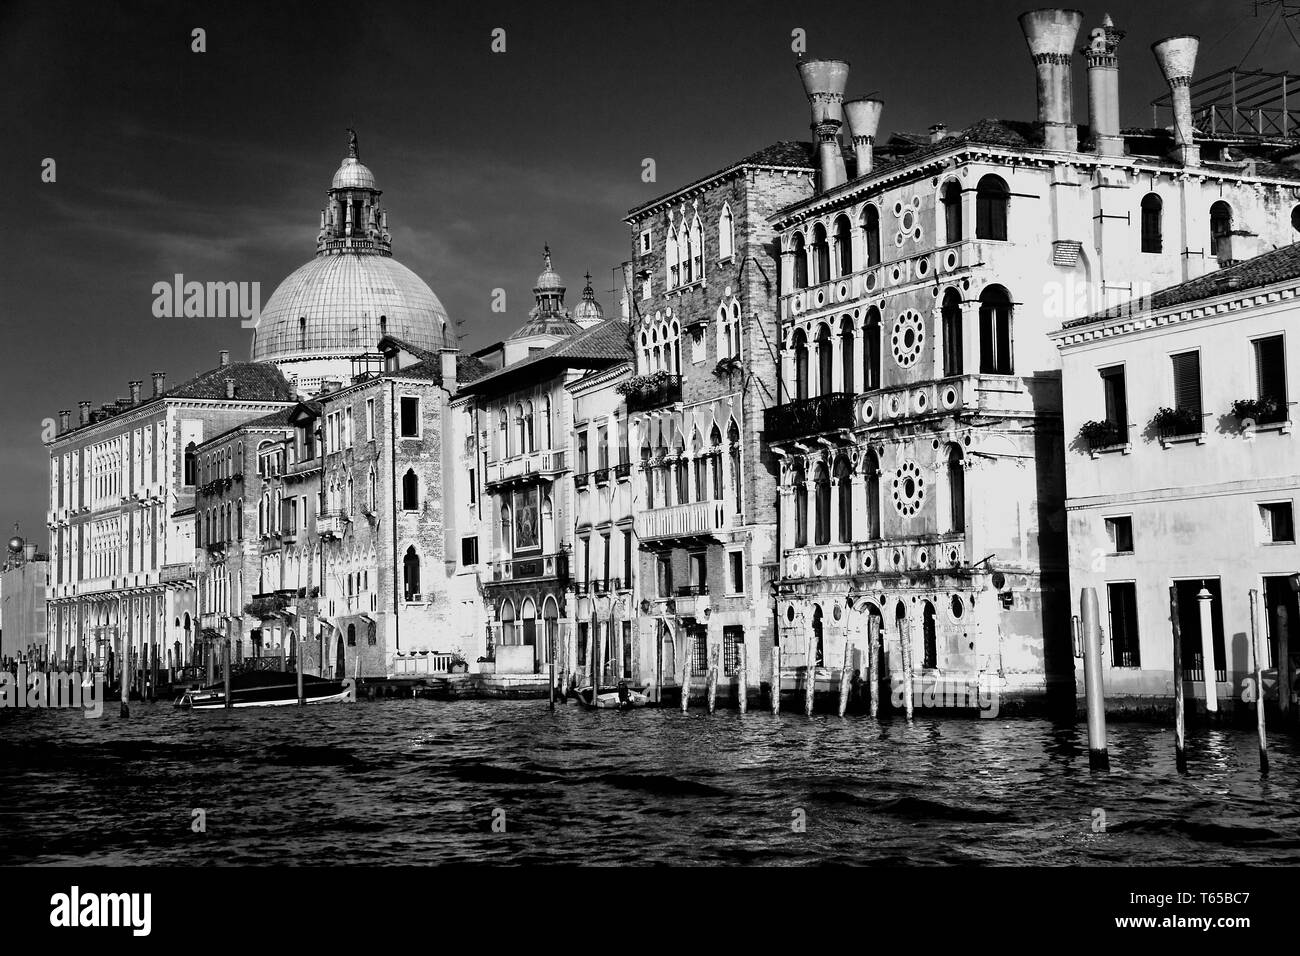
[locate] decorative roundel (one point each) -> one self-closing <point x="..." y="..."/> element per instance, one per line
<point x="916" y="202"/>
<point x="838" y="612"/>
<point x="908" y="488"/>
<point x="950" y="261"/>
<point x="923" y="558"/>
<point x="954" y="557"/>
<point x="868" y="562"/>
<point x="821" y="297"/>
<point x="895" y="405"/>
<point x="796" y="306"/>
<point x="916" y="233"/>
<point x="842" y="291"/>
<point x="789" y="613"/>
<point x="818" y="563"/>
<point x="949" y="397"/>
<point x="868" y="412"/>
<point x="956" y="607"/>
<point x="896" y="274"/>
<point x="935" y="444"/>
<point x="907" y="338"/>
<point x="898" y="209"/>
<point x="871" y="281"/>
<point x="897" y="558"/>
<point x="908" y="220"/>
<point x="921" y="401"/>
<point x="922" y="266"/>
<point x="900" y="238"/>
<point x="844" y="562"/>
<point x="966" y="440"/>
<point x="857" y="313"/>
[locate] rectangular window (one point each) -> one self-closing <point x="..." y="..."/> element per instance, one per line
<point x="627" y="559"/>
<point x="1270" y="377"/>
<point x="370" y="419"/>
<point x="664" y="575"/>
<point x="1124" y="645"/>
<point x="1119" y="531"/>
<point x="347" y="427"/>
<point x="736" y="571"/>
<point x="733" y="638"/>
<point x="1115" y="392"/>
<point x="469" y="551"/>
<point x="645" y="242"/>
<point x="700" y="572"/>
<point x="1279" y="527"/>
<point x="582" y="643"/>
<point x="582" y="452"/>
<point x="1187" y="386"/>
<point x="602" y="446"/>
<point x="699" y="649"/>
<point x="473" y="486"/>
<point x="410" y="417"/>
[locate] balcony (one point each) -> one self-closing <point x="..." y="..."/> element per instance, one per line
<point x="809" y="416"/>
<point x="655" y="390"/>
<point x="521" y="469"/>
<point x="269" y="543"/>
<point x="331" y="524"/>
<point x="697" y="519"/>
<point x="172" y="573"/>
<point x="623" y="470"/>
<point x="529" y="569"/>
<point x="300" y="468"/>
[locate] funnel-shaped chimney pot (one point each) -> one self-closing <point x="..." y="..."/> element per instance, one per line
<point x="824" y="82"/>
<point x="1101" y="54"/>
<point x="1051" y="34"/>
<point x="864" y="121"/>
<point x="1177" y="59"/>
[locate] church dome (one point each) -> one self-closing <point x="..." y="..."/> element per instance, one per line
<point x="353" y="174"/>
<point x="588" y="311"/>
<point x="340" y="304"/>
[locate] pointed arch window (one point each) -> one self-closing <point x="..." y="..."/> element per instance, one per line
<point x="1221" y="231"/>
<point x="800" y="365"/>
<point x="825" y="361"/>
<point x="871" y="350"/>
<point x="726" y="233"/>
<point x="843" y="246"/>
<point x="800" y="262"/>
<point x="844" y="498"/>
<point x="821" y="254"/>
<point x="950" y="316"/>
<point x="799" y="481"/>
<point x="871" y="470"/>
<point x="930" y="646"/>
<point x="696" y="246"/>
<point x="733" y="441"/>
<point x="822" y="487"/>
<point x="846" y="354"/>
<point x="956" y="475"/>
<point x="670" y="257"/>
<point x="411" y="574"/>
<point x="410" y="491"/>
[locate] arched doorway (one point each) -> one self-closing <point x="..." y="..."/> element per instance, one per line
<point x="930" y="655"/>
<point x="816" y="657"/>
<point x="340" y="659"/>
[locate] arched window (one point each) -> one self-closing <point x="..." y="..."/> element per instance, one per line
<point x="991" y="197"/>
<point x="950" y="313"/>
<point x="825" y="361"/>
<point x="871" y="471"/>
<point x="726" y="234"/>
<point x="843" y="246"/>
<point x="930" y="652"/>
<point x="683" y="474"/>
<point x="548" y="525"/>
<point x="816" y="650"/>
<point x="733" y="440"/>
<point x="507" y="622"/>
<point x="800" y="365"/>
<point x="410" y="491"/>
<point x="347" y="501"/>
<point x="800" y="262"/>
<point x="821" y="254"/>
<point x="528" y="622"/>
<point x="1221" y="231"/>
<point x="696" y="247"/>
<point x="956" y="475"/>
<point x="846" y="354"/>
<point x="372" y="489"/>
<point x="798" y="481"/>
<point x="822" y="484"/>
<point x="871" y="234"/>
<point x="951" y="198"/>
<point x="506" y="529"/>
<point x="529" y="427"/>
<point x="546" y="422"/>
<point x="701" y="467"/>
<point x="521" y="440"/>
<point x="844" y="498"/>
<point x="506" y="432"/>
<point x="352" y="635"/>
<point x="411" y="574"/>
<point x="551" y="623"/>
<point x="995" y="331"/>
<point x="1295" y="219"/>
<point x="670" y="257"/>
<point x="191" y="464"/>
<point x="1152" y="240"/>
<point x="871" y="350"/>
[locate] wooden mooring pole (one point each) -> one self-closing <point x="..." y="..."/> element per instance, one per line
<point x="1090" y="623"/>
<point x="712" y="680"/>
<point x="1283" y="667"/>
<point x="123" y="656"/>
<point x="1180" y="726"/>
<point x="846" y="674"/>
<point x="776" y="679"/>
<point x="686" y="670"/>
<point x="742" y="679"/>
<point x="1257" y="656"/>
<point x="302" y="698"/>
<point x="873" y="664"/>
<point x="810" y="682"/>
<point x="225" y="654"/>
<point x="905" y="645"/>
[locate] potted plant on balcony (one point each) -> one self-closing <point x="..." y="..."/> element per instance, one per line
<point x="458" y="663"/>
<point x="726" y="366"/>
<point x="1259" y="411"/>
<point x="1172" y="422"/>
<point x="1099" y="434"/>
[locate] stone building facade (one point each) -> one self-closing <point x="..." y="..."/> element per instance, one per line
<point x="702" y="293"/>
<point x="920" y="431"/>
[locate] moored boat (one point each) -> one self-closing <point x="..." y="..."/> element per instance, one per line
<point x="621" y="697"/>
<point x="264" y="689"/>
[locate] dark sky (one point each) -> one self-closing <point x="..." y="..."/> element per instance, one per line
<point x="215" y="165"/>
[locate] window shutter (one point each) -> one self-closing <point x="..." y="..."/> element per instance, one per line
<point x="1187" y="381"/>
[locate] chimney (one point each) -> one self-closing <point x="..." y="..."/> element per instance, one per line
<point x="135" y="391"/>
<point x="824" y="82"/>
<point x="1103" y="87"/>
<point x="937" y="132"/>
<point x="230" y="386"/>
<point x="448" y="357"/>
<point x="1177" y="58"/>
<point x="159" y="383"/>
<point x="65" y="420"/>
<point x="864" y="120"/>
<point x="225" y="358"/>
<point x="84" y="412"/>
<point x="1051" y="34"/>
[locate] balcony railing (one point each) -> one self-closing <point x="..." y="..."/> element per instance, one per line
<point x="809" y="416"/>
<point x="331" y="524"/>
<point x="642" y="395"/>
<point x="623" y="470"/>
<point x="692" y="590"/>
<point x="169" y="573"/>
<point x="681" y="521"/>
<point x="540" y="463"/>
<point x="523" y="569"/>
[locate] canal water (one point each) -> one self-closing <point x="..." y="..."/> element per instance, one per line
<point x="422" y="782"/>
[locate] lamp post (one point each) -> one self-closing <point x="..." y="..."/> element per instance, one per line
<point x="1203" y="598"/>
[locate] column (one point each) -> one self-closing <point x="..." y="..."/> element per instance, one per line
<point x="835" y="510"/>
<point x="859" y="357"/>
<point x="970" y="337"/>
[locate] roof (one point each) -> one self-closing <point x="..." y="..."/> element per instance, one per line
<point x="468" y="367"/>
<point x="785" y="154"/>
<point x="1270" y="267"/>
<point x="596" y="347"/>
<point x="276" y="419"/>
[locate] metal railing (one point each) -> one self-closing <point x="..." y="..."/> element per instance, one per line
<point x="809" y="416"/>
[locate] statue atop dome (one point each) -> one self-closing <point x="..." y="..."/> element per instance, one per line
<point x="353" y="151"/>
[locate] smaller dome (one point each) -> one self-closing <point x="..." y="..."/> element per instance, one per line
<point x="353" y="174"/>
<point x="588" y="311"/>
